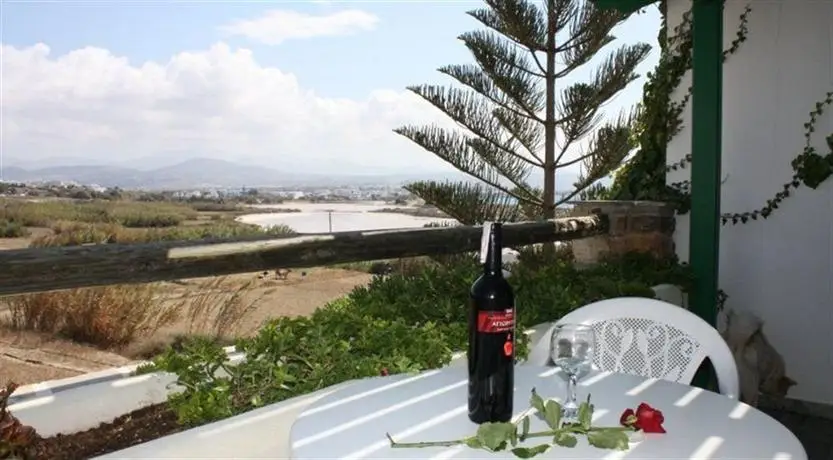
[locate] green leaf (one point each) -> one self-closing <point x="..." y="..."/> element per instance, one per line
<point x="537" y="402"/>
<point x="529" y="452"/>
<point x="494" y="436"/>
<point x="524" y="428"/>
<point x="585" y="414"/>
<point x="565" y="440"/>
<point x="474" y="443"/>
<point x="552" y="415"/>
<point x="608" y="439"/>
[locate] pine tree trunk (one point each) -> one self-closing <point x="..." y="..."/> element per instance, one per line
<point x="549" y="121"/>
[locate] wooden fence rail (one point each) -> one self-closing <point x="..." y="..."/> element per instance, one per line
<point x="46" y="269"/>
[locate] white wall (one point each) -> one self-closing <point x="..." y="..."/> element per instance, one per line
<point x="780" y="268"/>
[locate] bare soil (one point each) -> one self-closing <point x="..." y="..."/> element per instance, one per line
<point x="28" y="357"/>
<point x="139" y="426"/>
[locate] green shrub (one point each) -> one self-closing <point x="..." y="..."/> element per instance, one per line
<point x="397" y="323"/>
<point x="12" y="229"/>
<point x="292" y="356"/>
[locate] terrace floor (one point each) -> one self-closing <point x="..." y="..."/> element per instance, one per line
<point x="815" y="433"/>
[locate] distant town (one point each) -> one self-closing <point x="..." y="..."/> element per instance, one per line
<point x="249" y="195"/>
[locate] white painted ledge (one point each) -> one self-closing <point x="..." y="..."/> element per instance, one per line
<point x="261" y="433"/>
<point x="85" y="401"/>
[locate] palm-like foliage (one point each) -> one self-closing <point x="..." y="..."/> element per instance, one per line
<point x="511" y="113"/>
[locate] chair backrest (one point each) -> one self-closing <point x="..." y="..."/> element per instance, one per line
<point x="650" y="338"/>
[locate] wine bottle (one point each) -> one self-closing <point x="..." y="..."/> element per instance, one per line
<point x="491" y="351"/>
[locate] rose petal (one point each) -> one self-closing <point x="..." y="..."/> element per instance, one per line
<point x="628" y="413"/>
<point x="650" y="419"/>
<point x="644" y="407"/>
<point x="653" y="428"/>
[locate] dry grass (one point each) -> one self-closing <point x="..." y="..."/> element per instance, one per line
<point x="119" y="317"/>
<point x="108" y="317"/>
<point x="217" y="309"/>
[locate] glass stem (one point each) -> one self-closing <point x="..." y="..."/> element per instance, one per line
<point x="571" y="392"/>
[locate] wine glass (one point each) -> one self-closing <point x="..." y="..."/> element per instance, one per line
<point x="571" y="349"/>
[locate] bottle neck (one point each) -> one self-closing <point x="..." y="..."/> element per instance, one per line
<point x="494" y="255"/>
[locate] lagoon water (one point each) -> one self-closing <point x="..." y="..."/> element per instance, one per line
<point x="314" y="217"/>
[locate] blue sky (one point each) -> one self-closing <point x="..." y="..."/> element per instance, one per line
<point x="404" y="45"/>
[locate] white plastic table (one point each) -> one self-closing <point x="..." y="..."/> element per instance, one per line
<point x="431" y="406"/>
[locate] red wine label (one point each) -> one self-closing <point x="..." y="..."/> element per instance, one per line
<point x="496" y="321"/>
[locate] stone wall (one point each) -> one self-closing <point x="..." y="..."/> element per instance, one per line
<point x="644" y="226"/>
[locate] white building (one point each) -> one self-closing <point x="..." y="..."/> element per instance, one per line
<point x="780" y="268"/>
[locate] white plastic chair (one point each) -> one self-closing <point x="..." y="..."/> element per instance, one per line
<point x="651" y="338"/>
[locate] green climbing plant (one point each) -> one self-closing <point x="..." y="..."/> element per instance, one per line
<point x="660" y="119"/>
<point x="644" y="177"/>
<point x="810" y="168"/>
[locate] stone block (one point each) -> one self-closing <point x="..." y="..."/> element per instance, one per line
<point x="642" y="226"/>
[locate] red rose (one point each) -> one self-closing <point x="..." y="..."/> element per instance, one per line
<point x="645" y="418"/>
<point x="628" y="418"/>
<point x="384" y="372"/>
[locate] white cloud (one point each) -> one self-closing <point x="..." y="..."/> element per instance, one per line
<point x="216" y="103"/>
<point x="277" y="26"/>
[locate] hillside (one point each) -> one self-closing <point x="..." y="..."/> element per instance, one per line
<point x="213" y="173"/>
<point x="192" y="173"/>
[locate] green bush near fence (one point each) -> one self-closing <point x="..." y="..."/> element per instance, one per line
<point x="11" y="229"/>
<point x="395" y="324"/>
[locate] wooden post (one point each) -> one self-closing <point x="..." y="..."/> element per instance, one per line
<point x="45" y="269"/>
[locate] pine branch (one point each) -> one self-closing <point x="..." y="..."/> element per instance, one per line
<point x="528" y="135"/>
<point x="578" y="103"/>
<point x="494" y="47"/>
<point x="612" y="76"/>
<point x="470" y="111"/>
<point x="470" y="204"/>
<point x="518" y="20"/>
<point x="589" y="33"/>
<point x="470" y="156"/>
<point x="519" y="86"/>
<point x="579" y="159"/>
<point x="618" y="70"/>
<point x="473" y="77"/>
<point x="609" y="148"/>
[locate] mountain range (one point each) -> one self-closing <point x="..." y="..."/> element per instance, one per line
<point x="193" y="173"/>
<point x="212" y="173"/>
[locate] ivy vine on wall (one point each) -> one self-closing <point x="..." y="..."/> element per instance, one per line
<point x="810" y="168"/>
<point x="644" y="177"/>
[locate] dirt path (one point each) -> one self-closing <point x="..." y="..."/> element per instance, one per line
<point x="27" y="357"/>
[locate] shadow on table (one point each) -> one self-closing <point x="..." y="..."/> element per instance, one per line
<point x="815" y="433"/>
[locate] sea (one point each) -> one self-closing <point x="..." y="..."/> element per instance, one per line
<point x="338" y="217"/>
